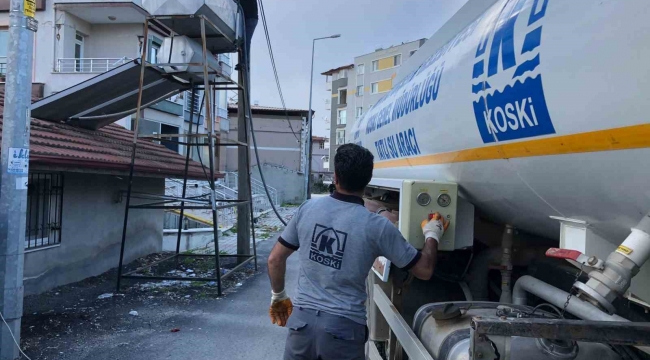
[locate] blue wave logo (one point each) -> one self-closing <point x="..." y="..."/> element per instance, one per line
<point x="510" y="101"/>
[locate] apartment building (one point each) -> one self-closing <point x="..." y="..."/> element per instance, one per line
<point x="280" y="135"/>
<point x="320" y="154"/>
<point x="336" y="81"/>
<point x="355" y="88"/>
<point x="80" y="39"/>
<point x="373" y="77"/>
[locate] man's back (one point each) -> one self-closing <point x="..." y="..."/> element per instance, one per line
<point x="338" y="239"/>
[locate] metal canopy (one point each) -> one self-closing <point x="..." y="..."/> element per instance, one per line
<point x="108" y="97"/>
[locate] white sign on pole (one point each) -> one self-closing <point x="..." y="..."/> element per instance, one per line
<point x="18" y="162"/>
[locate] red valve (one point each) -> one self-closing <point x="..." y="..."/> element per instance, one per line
<point x="563" y="253"/>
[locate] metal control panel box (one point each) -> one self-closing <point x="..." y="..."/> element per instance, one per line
<point x="420" y="198"/>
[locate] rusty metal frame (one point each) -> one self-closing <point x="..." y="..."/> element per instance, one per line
<point x="610" y="332"/>
<point x="169" y="202"/>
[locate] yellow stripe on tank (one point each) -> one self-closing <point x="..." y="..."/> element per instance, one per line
<point x="629" y="137"/>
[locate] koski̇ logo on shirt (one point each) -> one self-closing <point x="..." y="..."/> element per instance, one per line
<point x="327" y="246"/>
<point x="510" y="102"/>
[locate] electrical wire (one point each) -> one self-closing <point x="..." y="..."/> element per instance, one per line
<point x="198" y="152"/>
<point x="275" y="70"/>
<point x="550" y="306"/>
<point x="245" y="76"/>
<point x="12" y="336"/>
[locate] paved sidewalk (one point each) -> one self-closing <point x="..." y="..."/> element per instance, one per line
<point x="266" y="225"/>
<point x="236" y="327"/>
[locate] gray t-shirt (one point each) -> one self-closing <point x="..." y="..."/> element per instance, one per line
<point x="338" y="240"/>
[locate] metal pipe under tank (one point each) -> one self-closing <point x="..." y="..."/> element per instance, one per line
<point x="506" y="265"/>
<point x="580" y="308"/>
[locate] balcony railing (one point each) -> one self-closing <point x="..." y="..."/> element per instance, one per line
<point x="88" y="65"/>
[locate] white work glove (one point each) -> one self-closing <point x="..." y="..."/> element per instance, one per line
<point x="434" y="227"/>
<point x="281" y="308"/>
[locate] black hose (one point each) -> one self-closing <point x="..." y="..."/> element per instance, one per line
<point x="244" y="67"/>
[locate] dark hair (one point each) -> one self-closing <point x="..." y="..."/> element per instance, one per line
<point x="353" y="167"/>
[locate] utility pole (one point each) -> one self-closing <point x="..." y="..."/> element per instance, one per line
<point x="15" y="170"/>
<point x="309" y="124"/>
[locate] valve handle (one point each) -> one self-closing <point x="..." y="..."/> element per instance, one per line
<point x="563" y="253"/>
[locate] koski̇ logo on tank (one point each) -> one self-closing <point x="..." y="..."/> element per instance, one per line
<point x="506" y="76"/>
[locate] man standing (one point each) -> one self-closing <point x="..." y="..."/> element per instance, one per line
<point x="337" y="240"/>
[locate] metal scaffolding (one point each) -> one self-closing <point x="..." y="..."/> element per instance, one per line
<point x="206" y="201"/>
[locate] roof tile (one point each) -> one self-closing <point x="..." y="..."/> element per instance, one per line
<point x="108" y="148"/>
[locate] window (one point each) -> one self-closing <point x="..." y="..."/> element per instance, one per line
<point x="321" y="145"/>
<point x="168" y="129"/>
<point x="335" y="76"/>
<point x="381" y="86"/>
<point x="359" y="111"/>
<point x="343" y="74"/>
<point x="361" y="69"/>
<point x="340" y="136"/>
<point x="397" y="60"/>
<point x="328" y="78"/>
<point x="4" y="44"/>
<point x="360" y="90"/>
<point x="412" y="52"/>
<point x="343" y="97"/>
<point x="375" y="65"/>
<point x="342" y="117"/>
<point x="154" y="48"/>
<point x="78" y="52"/>
<point x="44" y="200"/>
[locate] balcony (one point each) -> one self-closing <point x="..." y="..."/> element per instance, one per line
<point x="104" y="12"/>
<point x="88" y="65"/>
<point x="3" y="66"/>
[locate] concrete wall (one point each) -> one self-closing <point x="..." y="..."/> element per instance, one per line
<point x="276" y="143"/>
<point x="317" y="156"/>
<point x="92" y="231"/>
<point x="290" y="184"/>
<point x="279" y="153"/>
<point x="369" y="77"/>
<point x="114" y="41"/>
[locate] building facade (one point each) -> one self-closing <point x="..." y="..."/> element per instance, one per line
<point x="280" y="144"/>
<point x="336" y="81"/>
<point x="80" y="39"/>
<point x="373" y="77"/>
<point x="320" y="154"/>
<point x="76" y="197"/>
<point x="357" y="87"/>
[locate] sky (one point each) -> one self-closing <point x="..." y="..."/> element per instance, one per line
<point x="364" y="25"/>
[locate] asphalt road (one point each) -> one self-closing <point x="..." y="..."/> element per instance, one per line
<point x="235" y="327"/>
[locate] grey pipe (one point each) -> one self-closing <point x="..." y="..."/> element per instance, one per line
<point x="506" y="265"/>
<point x="580" y="308"/>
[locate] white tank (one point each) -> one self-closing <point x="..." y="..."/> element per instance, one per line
<point x="536" y="108"/>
